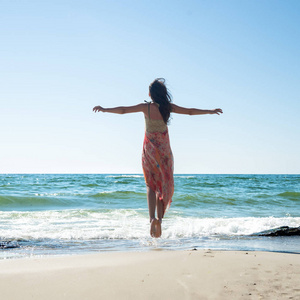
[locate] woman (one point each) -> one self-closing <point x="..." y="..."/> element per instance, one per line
<point x="157" y="158"/>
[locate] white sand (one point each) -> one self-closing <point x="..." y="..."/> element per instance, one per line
<point x="201" y="274"/>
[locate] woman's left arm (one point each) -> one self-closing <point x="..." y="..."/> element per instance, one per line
<point x="123" y="109"/>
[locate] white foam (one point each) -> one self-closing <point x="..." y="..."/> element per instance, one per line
<point x="196" y="227"/>
<point x="126" y="224"/>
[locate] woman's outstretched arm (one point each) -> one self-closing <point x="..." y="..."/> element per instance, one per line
<point x="123" y="109"/>
<point x="194" y="111"/>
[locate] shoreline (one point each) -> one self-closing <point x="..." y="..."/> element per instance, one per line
<point x="277" y="244"/>
<point x="124" y="251"/>
<point x="201" y="274"/>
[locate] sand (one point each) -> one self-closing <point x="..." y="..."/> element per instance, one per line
<point x="201" y="274"/>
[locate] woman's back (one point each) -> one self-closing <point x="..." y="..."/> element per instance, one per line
<point x="153" y="120"/>
<point x="154" y="112"/>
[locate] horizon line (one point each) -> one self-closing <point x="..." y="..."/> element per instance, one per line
<point x="81" y="173"/>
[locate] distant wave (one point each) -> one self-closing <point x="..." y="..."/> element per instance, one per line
<point x="124" y="176"/>
<point x="118" y="195"/>
<point x="39" y="201"/>
<point x="291" y="195"/>
<point x="90" y="185"/>
<point x="65" y="200"/>
<point x="184" y="176"/>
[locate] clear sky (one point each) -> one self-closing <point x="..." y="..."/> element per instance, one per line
<point x="59" y="59"/>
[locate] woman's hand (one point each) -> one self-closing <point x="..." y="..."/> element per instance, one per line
<point x="98" y="108"/>
<point x="216" y="111"/>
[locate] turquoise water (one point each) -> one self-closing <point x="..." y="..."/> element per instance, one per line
<point x="67" y="214"/>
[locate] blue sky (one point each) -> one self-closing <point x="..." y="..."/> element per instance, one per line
<point x="59" y="59"/>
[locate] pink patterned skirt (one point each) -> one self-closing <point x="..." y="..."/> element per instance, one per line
<point x="158" y="166"/>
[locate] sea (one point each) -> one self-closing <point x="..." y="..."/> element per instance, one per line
<point x="66" y="214"/>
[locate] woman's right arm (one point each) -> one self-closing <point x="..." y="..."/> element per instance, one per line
<point x="122" y="109"/>
<point x="194" y="111"/>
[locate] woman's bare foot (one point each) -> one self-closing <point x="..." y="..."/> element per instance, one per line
<point x="155" y="228"/>
<point x="158" y="229"/>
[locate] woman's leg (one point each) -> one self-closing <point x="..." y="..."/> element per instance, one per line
<point x="151" y="197"/>
<point x="153" y="203"/>
<point x="160" y="213"/>
<point x="160" y="209"/>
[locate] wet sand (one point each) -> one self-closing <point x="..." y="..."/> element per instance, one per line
<point x="201" y="274"/>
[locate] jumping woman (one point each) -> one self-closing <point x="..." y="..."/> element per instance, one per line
<point x="157" y="157"/>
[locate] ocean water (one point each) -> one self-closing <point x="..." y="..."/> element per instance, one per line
<point x="50" y="214"/>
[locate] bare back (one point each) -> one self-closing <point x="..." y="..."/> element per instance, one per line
<point x="154" y="112"/>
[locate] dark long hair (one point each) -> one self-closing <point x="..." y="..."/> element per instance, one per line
<point x="161" y="96"/>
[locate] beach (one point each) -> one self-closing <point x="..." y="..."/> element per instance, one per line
<point x="191" y="274"/>
<point x="85" y="236"/>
